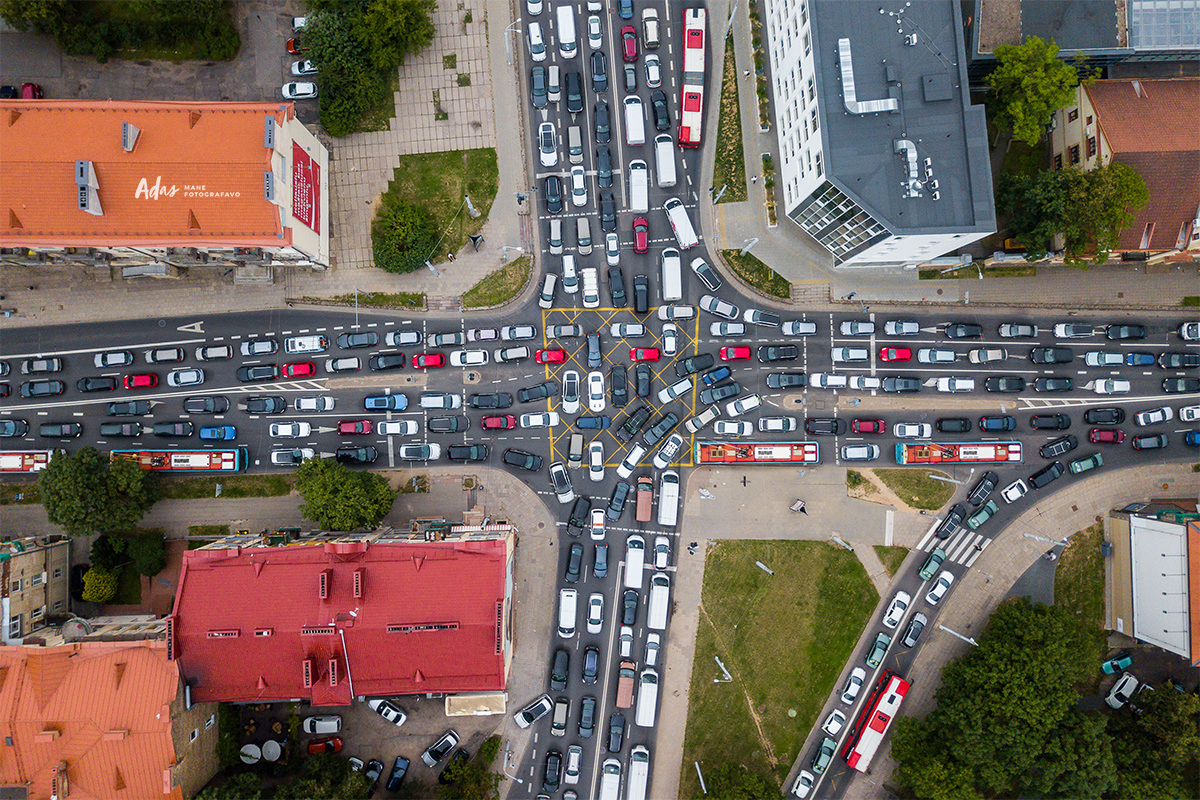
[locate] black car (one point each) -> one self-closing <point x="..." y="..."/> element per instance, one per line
<point x="600" y="560"/>
<point x="356" y="455"/>
<point x="591" y="665"/>
<point x="1104" y="416"/>
<point x="1006" y="384"/>
<point x="452" y="424"/>
<point x="467" y="452"/>
<point x="1179" y="360"/>
<point x="539" y="392"/>
<point x="11" y="428"/>
<point x="618" y="386"/>
<point x="616" y="290"/>
<point x="1181" y="385"/>
<point x="173" y="429"/>
<point x="899" y="385"/>
<point x="579" y="517"/>
<point x="658" y="107"/>
<point x="560" y="670"/>
<point x="719" y="393"/>
<point x="5" y="389"/>
<point x="1050" y="422"/>
<point x="120" y="429"/>
<point x="694" y="364"/>
<point x="616" y="732"/>
<point x="60" y="430"/>
<point x="1056" y="447"/>
<point x="787" y="380"/>
<point x="641" y="377"/>
<point x="522" y="460"/>
<point x="630" y="73"/>
<point x="574" y="89"/>
<point x="1046" y="475"/>
<point x="773" y="352"/>
<point x="537" y="87"/>
<point x="490" y="400"/>
<point x="266" y="405"/>
<point x="460" y="755"/>
<point x="594" y="355"/>
<point x="953" y="425"/>
<point x="388" y="361"/>
<point x="997" y="423"/>
<point x="824" y="426"/>
<point x="608" y="212"/>
<point x="603" y="124"/>
<point x="1118" y="332"/>
<point x="629" y="606"/>
<point x="1150" y="442"/>
<point x="587" y="717"/>
<point x="554" y="199"/>
<point x="597" y="422"/>
<point x="636" y="421"/>
<point x="96" y="384"/>
<point x="616" y="503"/>
<point x="396" y="776"/>
<point x="665" y="424"/>
<point x="206" y="405"/>
<point x="574" y="562"/>
<point x="133" y="408"/>
<point x="1051" y="355"/>
<point x="259" y="372"/>
<point x="963" y="330"/>
<point x="42" y="388"/>
<point x="954" y="518"/>
<point x="353" y="341"/>
<point x="641" y="294"/>
<point x="983" y="488"/>
<point x="1053" y="384"/>
<point x="599" y="71"/>
<point x="552" y="771"/>
<point x="604" y="167"/>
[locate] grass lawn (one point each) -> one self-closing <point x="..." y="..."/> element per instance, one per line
<point x="28" y="490"/>
<point x="1190" y="301"/>
<point x="1079" y="587"/>
<point x="379" y="116"/>
<point x="914" y="486"/>
<point x="1023" y="159"/>
<point x="384" y="300"/>
<point x="892" y="557"/>
<point x="729" y="169"/>
<point x="205" y="530"/>
<point x="1017" y="271"/>
<point x="438" y="182"/>
<point x="758" y="274"/>
<point x="129" y="587"/>
<point x="501" y="286"/>
<point x="784" y="638"/>
<point x="231" y="486"/>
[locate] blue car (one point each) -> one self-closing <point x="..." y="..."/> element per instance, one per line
<point x="1192" y="438"/>
<point x="1139" y="359"/>
<point x="625" y="9"/>
<point x="599" y="422"/>
<point x="997" y="423"/>
<point x="385" y="402"/>
<point x="715" y="376"/>
<point x="218" y="433"/>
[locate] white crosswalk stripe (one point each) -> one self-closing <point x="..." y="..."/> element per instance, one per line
<point x="962" y="548"/>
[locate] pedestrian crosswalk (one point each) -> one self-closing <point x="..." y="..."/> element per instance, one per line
<point x="962" y="548"/>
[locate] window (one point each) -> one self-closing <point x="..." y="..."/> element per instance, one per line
<point x="18" y="585"/>
<point x="38" y="613"/>
<point x="38" y="580"/>
<point x="1074" y="152"/>
<point x="1089" y="119"/>
<point x="807" y="43"/>
<point x="58" y="605"/>
<point x="58" y="572"/>
<point x="14" y="626"/>
<point x="1073" y="115"/>
<point x="208" y="723"/>
<point x="1091" y="146"/>
<point x="1058" y="161"/>
<point x="195" y="734"/>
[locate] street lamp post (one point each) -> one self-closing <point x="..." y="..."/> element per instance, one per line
<point x="357" y="292"/>
<point x="507" y="45"/>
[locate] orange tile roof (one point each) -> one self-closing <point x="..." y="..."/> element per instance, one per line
<point x="1164" y="117"/>
<point x="101" y="709"/>
<point x="206" y="160"/>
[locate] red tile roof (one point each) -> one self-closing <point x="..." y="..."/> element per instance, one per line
<point x="248" y="623"/>
<point x="1173" y="181"/>
<point x="101" y="709"/>
<point x="206" y="161"/>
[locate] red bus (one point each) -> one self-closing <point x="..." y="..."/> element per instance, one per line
<point x="757" y="453"/>
<point x="236" y="459"/>
<point x="691" y="97"/>
<point x="28" y="461"/>
<point x="875" y="719"/>
<point x="958" y="453"/>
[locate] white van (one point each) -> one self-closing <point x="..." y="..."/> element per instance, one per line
<point x="556" y="240"/>
<point x="672" y="276"/>
<point x="635" y="561"/>
<point x="568" y="44"/>
<point x="668" y="498"/>
<point x="647" y="701"/>
<point x="570" y="275"/>
<point x="664" y="159"/>
<point x="639" y="773"/>
<point x="305" y="344"/>
<point x="639" y="186"/>
<point x="660" y="602"/>
<point x="610" y="780"/>
<point x="591" y="287"/>
<point x="677" y="215"/>
<point x="553" y="84"/>
<point x="635" y="121"/>
<point x="568" y="600"/>
<point x="537" y="44"/>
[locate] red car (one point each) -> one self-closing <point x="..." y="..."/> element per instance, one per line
<point x="31" y="91"/>
<point x="300" y="369"/>
<point x="644" y="354"/>
<point x="550" y="356"/>
<point x="141" y="380"/>
<point x="735" y="353"/>
<point x="629" y="43"/>
<point x="326" y="744"/>
<point x="1106" y="436"/>
<point x="354" y="427"/>
<point x="641" y="235"/>
<point x="895" y="354"/>
<point x="428" y="360"/>
<point x="294" y="46"/>
<point x="499" y="422"/>
<point x="868" y="426"/>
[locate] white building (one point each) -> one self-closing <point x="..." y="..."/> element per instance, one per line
<point x="883" y="159"/>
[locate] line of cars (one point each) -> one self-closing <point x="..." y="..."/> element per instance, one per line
<point x="304" y="68"/>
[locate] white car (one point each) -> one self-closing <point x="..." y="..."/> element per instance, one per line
<point x="299" y="90"/>
<point x="676" y="312"/>
<point x="315" y="403"/>
<point x="114" y="358"/>
<point x="482" y="334"/>
<point x="419" y="452"/>
<point x="675" y="390"/>
<point x="912" y="430"/>
<point x="596" y="466"/>
<point x="597" y="527"/>
<point x="1099" y="358"/>
<point x="864" y="382"/>
<point x="987" y="355"/>
<point x="666" y="454"/>
<point x="662" y="552"/>
<point x="595" y="612"/>
<point x="595" y="39"/>
<point x="291" y="458"/>
<point x="935" y="355"/>
<point x="256" y="347"/>
<point x="595" y="391"/>
<point x="853" y="685"/>
<point x="834" y="723"/>
<point x="627" y="330"/>
<point x="827" y="380"/>
<point x="612" y="249"/>
<point x="397" y="427"/>
<point x="518" y="333"/>
<point x="697" y="423"/>
<point x="1111" y="386"/>
<point x="804" y="783"/>
<point x="736" y="408"/>
<point x="653" y="72"/>
<point x="858" y="327"/>
<point x="290" y="430"/>
<point x="185" y="377"/>
<point x="534" y="711"/>
<point x="727" y="329"/>
<point x="534" y="7"/>
<point x="572" y="765"/>
<point x="719" y="307"/>
<point x="653" y="643"/>
<point x="940" y="587"/>
<point x="895" y="611"/>
<point x="799" y="327"/>
<point x="542" y="419"/>
<point x="1015" y="491"/>
<point x="901" y="327"/>
<point x="570" y="392"/>
<point x="1189" y="331"/>
<point x="732" y="427"/>
<point x="776" y="424"/>
<point x="1153" y="416"/>
<point x="1122" y="691"/>
<point x="505" y="355"/>
<point x="955" y="384"/>
<point x="468" y="358"/>
<point x="388" y="711"/>
<point x="578" y="187"/>
<point x="303" y="68"/>
<point x="670" y="339"/>
<point x="625" y="642"/>
<point x="537" y="43"/>
<point x="1189" y="414"/>
<point x="403" y="338"/>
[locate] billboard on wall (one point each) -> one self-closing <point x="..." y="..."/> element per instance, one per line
<point x="306" y="188"/>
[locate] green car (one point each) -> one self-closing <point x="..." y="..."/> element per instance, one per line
<point x="932" y="564"/>
<point x="1084" y="464"/>
<point x="824" y="755"/>
<point x="982" y="515"/>
<point x="878" y="650"/>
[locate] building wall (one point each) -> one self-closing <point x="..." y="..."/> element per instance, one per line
<point x="797" y="115"/>
<point x="1075" y="140"/>
<point x="194" y="733"/>
<point x="35" y="583"/>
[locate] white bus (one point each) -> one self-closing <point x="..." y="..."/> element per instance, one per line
<point x="639" y="773"/>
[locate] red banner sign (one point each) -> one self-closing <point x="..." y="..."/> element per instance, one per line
<point x="306" y="188"/>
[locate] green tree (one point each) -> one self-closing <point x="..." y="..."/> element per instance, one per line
<point x="148" y="552"/>
<point x="927" y="766"/>
<point x="109" y="553"/>
<point x="471" y="779"/>
<point x="401" y="235"/>
<point x="394" y="29"/>
<point x="339" y="499"/>
<point x="242" y="786"/>
<point x="735" y="782"/>
<point x="1037" y="208"/>
<point x="1159" y="747"/>
<point x="325" y="776"/>
<point x="1076" y="761"/>
<point x="99" y="586"/>
<point x="1029" y="84"/>
<point x="85" y="493"/>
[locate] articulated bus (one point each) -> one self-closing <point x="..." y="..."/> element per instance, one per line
<point x="691" y="96"/>
<point x="27" y="461"/>
<point x="958" y="453"/>
<point x="875" y="719"/>
<point x="757" y="453"/>
<point x="235" y="459"/>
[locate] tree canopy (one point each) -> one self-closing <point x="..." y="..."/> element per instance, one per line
<point x="85" y="493"/>
<point x="339" y="499"/>
<point x="401" y="235"/>
<point x="1029" y="84"/>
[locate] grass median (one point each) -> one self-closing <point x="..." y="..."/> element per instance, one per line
<point x="501" y="286"/>
<point x="757" y="274"/>
<point x="729" y="167"/>
<point x="784" y="638"/>
<point x="231" y="486"/>
<point x="916" y="488"/>
<point x="1079" y="587"/>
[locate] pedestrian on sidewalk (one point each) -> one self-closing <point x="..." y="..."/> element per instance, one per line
<point x="451" y="257"/>
<point x="800" y="507"/>
<point x="754" y="180"/>
<point x="746" y="74"/>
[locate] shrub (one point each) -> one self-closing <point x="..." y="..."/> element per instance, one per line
<point x="401" y="235"/>
<point x="99" y="586"/>
<point x="148" y="553"/>
<point x="108" y="553"/>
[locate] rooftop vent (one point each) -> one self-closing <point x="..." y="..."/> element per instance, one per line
<point x="129" y="136"/>
<point x="850" y="94"/>
<point x="88" y="187"/>
<point x="912" y="186"/>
